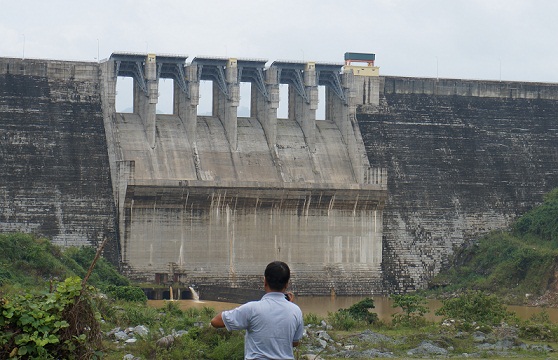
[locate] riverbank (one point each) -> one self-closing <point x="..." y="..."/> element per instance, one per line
<point x="337" y="336"/>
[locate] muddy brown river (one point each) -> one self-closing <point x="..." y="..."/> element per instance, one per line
<point x="321" y="305"/>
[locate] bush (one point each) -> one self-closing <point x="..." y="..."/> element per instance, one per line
<point x="312" y="319"/>
<point x="413" y="310"/>
<point x="132" y="315"/>
<point x="342" y="320"/>
<point x="361" y="311"/>
<point x="28" y="260"/>
<point x="347" y="319"/>
<point x="58" y="325"/>
<point x="542" y="221"/>
<point x="104" y="272"/>
<point x="475" y="306"/>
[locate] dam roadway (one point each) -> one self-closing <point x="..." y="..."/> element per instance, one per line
<point x="210" y="200"/>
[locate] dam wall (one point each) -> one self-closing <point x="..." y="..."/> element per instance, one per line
<point x="54" y="173"/>
<point x="210" y="200"/>
<point x="464" y="157"/>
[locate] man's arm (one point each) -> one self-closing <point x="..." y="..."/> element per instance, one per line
<point x="217" y="321"/>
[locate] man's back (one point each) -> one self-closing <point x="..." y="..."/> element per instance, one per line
<point x="272" y="325"/>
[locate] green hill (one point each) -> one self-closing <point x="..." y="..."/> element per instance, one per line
<point x="28" y="261"/>
<point x="519" y="264"/>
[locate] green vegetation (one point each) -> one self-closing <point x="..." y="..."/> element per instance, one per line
<point x="28" y="261"/>
<point x="413" y="310"/>
<point x="475" y="307"/>
<point x="355" y="316"/>
<point x="48" y="312"/>
<point x="510" y="263"/>
<point x="61" y="324"/>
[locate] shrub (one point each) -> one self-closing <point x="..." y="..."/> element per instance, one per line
<point x="342" y="320"/>
<point x="475" y="306"/>
<point x="312" y="319"/>
<point x="62" y="324"/>
<point x="347" y="319"/>
<point x="542" y="221"/>
<point x="133" y="315"/>
<point x="104" y="272"/>
<point x="361" y="311"/>
<point x="26" y="259"/>
<point x="413" y="310"/>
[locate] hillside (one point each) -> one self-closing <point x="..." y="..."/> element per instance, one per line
<point x="29" y="261"/>
<point x="519" y="264"/>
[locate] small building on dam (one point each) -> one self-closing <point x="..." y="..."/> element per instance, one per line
<point x="372" y="199"/>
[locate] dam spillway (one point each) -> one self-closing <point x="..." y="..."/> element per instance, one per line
<point x="213" y="199"/>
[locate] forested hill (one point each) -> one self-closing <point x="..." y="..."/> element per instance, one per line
<point x="519" y="264"/>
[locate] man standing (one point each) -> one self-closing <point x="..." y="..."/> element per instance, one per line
<point x="273" y="325"/>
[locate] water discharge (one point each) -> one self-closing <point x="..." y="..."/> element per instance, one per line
<point x="195" y="295"/>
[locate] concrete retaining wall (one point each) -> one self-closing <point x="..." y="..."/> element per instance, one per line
<point x="461" y="162"/>
<point x="54" y="174"/>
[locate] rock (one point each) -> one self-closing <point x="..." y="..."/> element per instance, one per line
<point x="121" y="336"/>
<point x="113" y="331"/>
<point x="372" y="337"/>
<point x="323" y="343"/>
<point x="165" y="342"/>
<point x="130" y="357"/>
<point x="311" y="357"/>
<point x="479" y="336"/>
<point x="427" y="348"/>
<point x="366" y="354"/>
<point x="141" y="330"/>
<point x="322" y="334"/>
<point x="541" y="348"/>
<point x="373" y="353"/>
<point x="179" y="333"/>
<point x="503" y="344"/>
<point x="131" y="340"/>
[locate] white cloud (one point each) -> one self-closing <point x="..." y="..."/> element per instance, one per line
<point x="468" y="39"/>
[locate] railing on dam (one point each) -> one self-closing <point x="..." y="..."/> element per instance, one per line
<point x="375" y="176"/>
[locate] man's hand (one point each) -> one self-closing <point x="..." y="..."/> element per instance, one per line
<point x="289" y="296"/>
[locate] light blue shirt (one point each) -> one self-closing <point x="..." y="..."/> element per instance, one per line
<point x="272" y="325"/>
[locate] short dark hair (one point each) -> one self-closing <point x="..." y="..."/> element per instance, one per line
<point x="277" y="275"/>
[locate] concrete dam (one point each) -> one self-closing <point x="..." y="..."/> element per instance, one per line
<point x="373" y="199"/>
<point x="194" y="199"/>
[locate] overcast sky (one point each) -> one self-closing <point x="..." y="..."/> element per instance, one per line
<point x="466" y="39"/>
<point x="474" y="39"/>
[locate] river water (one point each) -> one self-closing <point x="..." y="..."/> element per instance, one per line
<point x="322" y="305"/>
